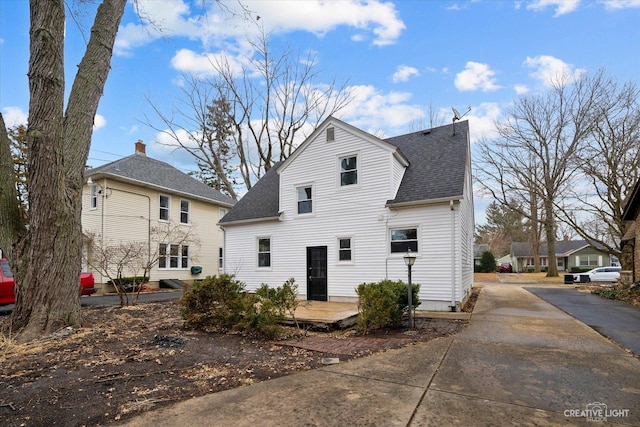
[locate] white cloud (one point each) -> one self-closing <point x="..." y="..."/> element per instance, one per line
<point x="188" y="61"/>
<point x="14" y="116"/>
<point x="215" y="25"/>
<point x="320" y="17"/>
<point x="562" y="7"/>
<point x="99" y="122"/>
<point x="621" y="4"/>
<point x="549" y="70"/>
<point x="374" y="111"/>
<point x="403" y="73"/>
<point x="476" y="76"/>
<point x="160" y="18"/>
<point x="481" y="119"/>
<point x="521" y="89"/>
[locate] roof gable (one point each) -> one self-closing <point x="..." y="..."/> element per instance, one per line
<point x="332" y="121"/>
<point x="139" y="169"/>
<point x="436" y="166"/>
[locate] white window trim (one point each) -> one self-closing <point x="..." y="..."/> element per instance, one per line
<point x="258" y="266"/>
<point x="160" y="208"/>
<point x="167" y="257"/>
<point x="339" y="158"/>
<point x="188" y="212"/>
<point x="93" y="195"/>
<point x="352" y="249"/>
<point x="313" y="199"/>
<point x="403" y="227"/>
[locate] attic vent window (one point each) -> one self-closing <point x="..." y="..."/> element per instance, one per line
<point x="331" y="134"/>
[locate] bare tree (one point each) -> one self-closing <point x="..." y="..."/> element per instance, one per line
<point x="610" y="167"/>
<point x="272" y="101"/>
<point x="536" y="151"/>
<point x="122" y="261"/>
<point x="47" y="256"/>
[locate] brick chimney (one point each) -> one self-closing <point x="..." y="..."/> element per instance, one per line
<point x="141" y="148"/>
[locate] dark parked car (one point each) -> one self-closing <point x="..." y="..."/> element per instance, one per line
<point x="505" y="267"/>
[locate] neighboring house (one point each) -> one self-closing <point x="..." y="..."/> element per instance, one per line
<point x="632" y="235"/>
<point x="143" y="200"/>
<point x="478" y="250"/>
<point x="569" y="254"/>
<point x="503" y="259"/>
<point x="346" y="207"/>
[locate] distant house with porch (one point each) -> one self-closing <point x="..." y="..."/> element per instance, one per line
<point x="570" y="254"/>
<point x="632" y="235"/>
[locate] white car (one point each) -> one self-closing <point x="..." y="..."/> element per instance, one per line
<point x="600" y="274"/>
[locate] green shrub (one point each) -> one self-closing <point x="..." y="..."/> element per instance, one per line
<point x="487" y="263"/>
<point x="217" y="302"/>
<point x="383" y="303"/>
<point x="221" y="303"/>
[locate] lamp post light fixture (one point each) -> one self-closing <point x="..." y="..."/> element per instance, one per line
<point x="409" y="260"/>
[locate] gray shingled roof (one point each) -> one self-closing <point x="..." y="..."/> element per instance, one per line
<point x="563" y="248"/>
<point x="633" y="204"/>
<point x="261" y="202"/>
<point x="437" y="163"/>
<point x="143" y="170"/>
<point x="436" y="170"/>
<point x="479" y="249"/>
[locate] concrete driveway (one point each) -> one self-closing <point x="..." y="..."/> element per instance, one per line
<point x="521" y="361"/>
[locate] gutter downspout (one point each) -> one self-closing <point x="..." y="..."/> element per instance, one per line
<point x="453" y="255"/>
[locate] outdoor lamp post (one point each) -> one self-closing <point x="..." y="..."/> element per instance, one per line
<point x="409" y="259"/>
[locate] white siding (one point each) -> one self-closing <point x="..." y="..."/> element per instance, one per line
<point x="359" y="212"/>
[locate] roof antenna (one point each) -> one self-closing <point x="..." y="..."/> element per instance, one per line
<point x="457" y="116"/>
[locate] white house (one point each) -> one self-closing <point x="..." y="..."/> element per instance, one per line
<point x="345" y="208"/>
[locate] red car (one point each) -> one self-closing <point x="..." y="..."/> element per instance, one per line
<point x="505" y="267"/>
<point x="87" y="283"/>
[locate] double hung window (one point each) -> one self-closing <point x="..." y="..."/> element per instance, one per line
<point x="344" y="249"/>
<point x="264" y="252"/>
<point x="403" y="239"/>
<point x="348" y="170"/>
<point x="165" y="202"/>
<point x="185" y="208"/>
<point x="305" y="200"/>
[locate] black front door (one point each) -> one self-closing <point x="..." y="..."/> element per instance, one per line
<point x="317" y="273"/>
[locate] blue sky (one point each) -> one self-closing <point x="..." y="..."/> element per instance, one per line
<point x="400" y="58"/>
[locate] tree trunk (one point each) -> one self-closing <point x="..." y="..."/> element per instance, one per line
<point x="47" y="294"/>
<point x="552" y="269"/>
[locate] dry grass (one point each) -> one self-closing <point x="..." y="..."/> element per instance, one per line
<point x="532" y="278"/>
<point x="518" y="278"/>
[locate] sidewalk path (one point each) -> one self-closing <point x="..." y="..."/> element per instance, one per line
<point x="521" y="361"/>
<point x="614" y="319"/>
